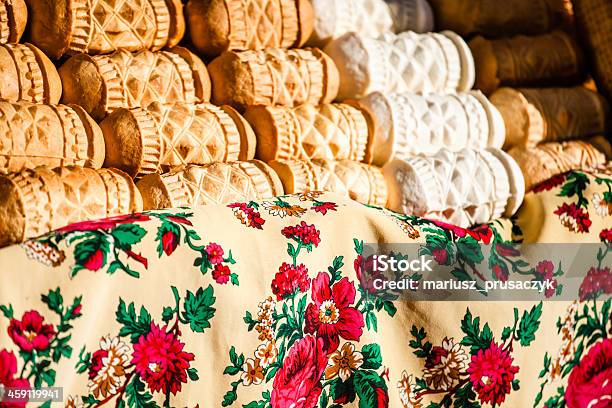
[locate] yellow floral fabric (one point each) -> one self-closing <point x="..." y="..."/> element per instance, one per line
<point x="261" y="304"/>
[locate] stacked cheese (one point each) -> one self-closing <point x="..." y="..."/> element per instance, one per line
<point x="415" y="91"/>
<point x="50" y="153"/>
<point x="252" y="108"/>
<point x="286" y="92"/>
<point x="154" y="115"/>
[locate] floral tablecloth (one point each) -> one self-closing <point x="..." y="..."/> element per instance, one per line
<point x="258" y="304"/>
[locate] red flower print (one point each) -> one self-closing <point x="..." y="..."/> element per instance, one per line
<point x="95" y="261"/>
<point x="30" y="333"/>
<point x="491" y="373"/>
<point x="550" y="183"/>
<point x="76" y="311"/>
<point x="215" y="253"/>
<point x="254" y="219"/>
<point x="596" y="283"/>
<point x="365" y="273"/>
<point x="104" y="224"/>
<point x="545" y="270"/>
<point x="169" y="241"/>
<point x="289" y="279"/>
<point x="573" y="217"/>
<point x="323" y="208"/>
<point x="160" y="360"/>
<point x="304" y="233"/>
<point x="550" y="291"/>
<point x="458" y="231"/>
<point x="606" y="236"/>
<point x="500" y="272"/>
<point x="362" y="267"/>
<point x="178" y="220"/>
<point x="8" y="369"/>
<point x="96" y="363"/>
<point x="297" y="383"/>
<point x="481" y="233"/>
<point x="589" y="383"/>
<point x="221" y="274"/>
<point x="330" y="315"/>
<point x="437" y="353"/>
<point x="247" y="215"/>
<point x="507" y="250"/>
<point x="440" y="255"/>
<point x="357" y="264"/>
